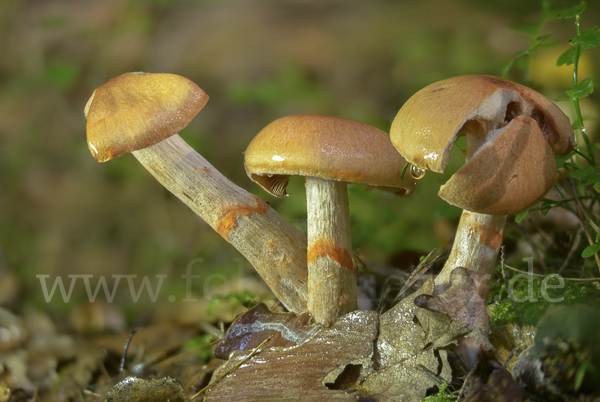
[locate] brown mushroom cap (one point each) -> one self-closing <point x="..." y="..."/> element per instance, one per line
<point x="427" y="125"/>
<point x="136" y="110"/>
<point x="510" y="131"/>
<point x="506" y="175"/>
<point x="331" y="148"/>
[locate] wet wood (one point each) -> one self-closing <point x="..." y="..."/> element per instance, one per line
<point x="304" y="371"/>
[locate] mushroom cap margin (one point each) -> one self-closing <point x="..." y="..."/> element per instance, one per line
<point x="326" y="147"/>
<point x="136" y="110"/>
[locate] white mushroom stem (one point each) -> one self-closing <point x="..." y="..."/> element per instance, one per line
<point x="476" y="245"/>
<point x="272" y="245"/>
<point x="331" y="274"/>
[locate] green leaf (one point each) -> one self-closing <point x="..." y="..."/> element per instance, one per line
<point x="569" y="57"/>
<point x="580" y="374"/>
<point x="590" y="250"/>
<point x="521" y="215"/>
<point x="404" y="170"/>
<point x="582" y="173"/>
<point x="573" y="11"/>
<point x="597" y="237"/>
<point x="547" y="205"/>
<point x="560" y="160"/>
<point x="588" y="39"/>
<point x="591" y="180"/>
<point x="597" y="188"/>
<point x="527" y="27"/>
<point x="542" y="38"/>
<point x="587" y="175"/>
<point x="581" y="90"/>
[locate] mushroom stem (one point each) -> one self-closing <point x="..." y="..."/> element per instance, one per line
<point x="476" y="245"/>
<point x="331" y="274"/>
<point x="272" y="245"/>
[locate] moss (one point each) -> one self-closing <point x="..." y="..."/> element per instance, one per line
<point x="441" y="396"/>
<point x="532" y="295"/>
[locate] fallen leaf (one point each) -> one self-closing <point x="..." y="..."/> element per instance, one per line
<point x="458" y="315"/>
<point x="155" y="390"/>
<point x="403" y="350"/>
<point x="494" y="383"/>
<point x="512" y="339"/>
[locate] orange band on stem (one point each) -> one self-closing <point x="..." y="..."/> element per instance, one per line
<point x="323" y="247"/>
<point x="490" y="236"/>
<point x="230" y="213"/>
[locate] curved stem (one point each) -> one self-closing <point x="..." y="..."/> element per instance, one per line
<point x="275" y="248"/>
<point x="476" y="245"/>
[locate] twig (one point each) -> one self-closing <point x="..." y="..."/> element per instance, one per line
<point x="508" y="288"/>
<point x="541" y="276"/>
<point x="235" y="366"/>
<point x="163" y="364"/>
<point x="464" y="386"/>
<point x="580" y="205"/>
<point x="205" y="369"/>
<point x="533" y="247"/>
<point x="211" y="329"/>
<point x="565" y="200"/>
<point x="408" y="282"/>
<point x="431" y="375"/>
<point x="581" y="217"/>
<point x="416" y="274"/>
<point x="590" y="239"/>
<point x="574" y="247"/>
<point x="511" y="355"/>
<point x="364" y="264"/>
<point x="544" y="235"/>
<point x="122" y="366"/>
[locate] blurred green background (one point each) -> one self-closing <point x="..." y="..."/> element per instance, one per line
<point x="62" y="213"/>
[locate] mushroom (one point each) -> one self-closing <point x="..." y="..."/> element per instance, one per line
<point x="142" y="113"/>
<point x="329" y="152"/>
<point x="511" y="132"/>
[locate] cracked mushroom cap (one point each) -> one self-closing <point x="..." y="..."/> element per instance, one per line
<point x="330" y="148"/>
<point x="136" y="110"/>
<point x="511" y="134"/>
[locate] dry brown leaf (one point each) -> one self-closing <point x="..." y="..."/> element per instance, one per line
<point x="155" y="390"/>
<point x="511" y="342"/>
<point x="13" y="333"/>
<point x="403" y="348"/>
<point x="459" y="312"/>
<point x="493" y="382"/>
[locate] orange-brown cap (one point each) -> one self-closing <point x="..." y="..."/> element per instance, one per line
<point x="136" y="110"/>
<point x="511" y="131"/>
<point x="326" y="147"/>
<point x="505" y="175"/>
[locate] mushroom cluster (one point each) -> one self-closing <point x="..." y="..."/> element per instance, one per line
<point x="511" y="135"/>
